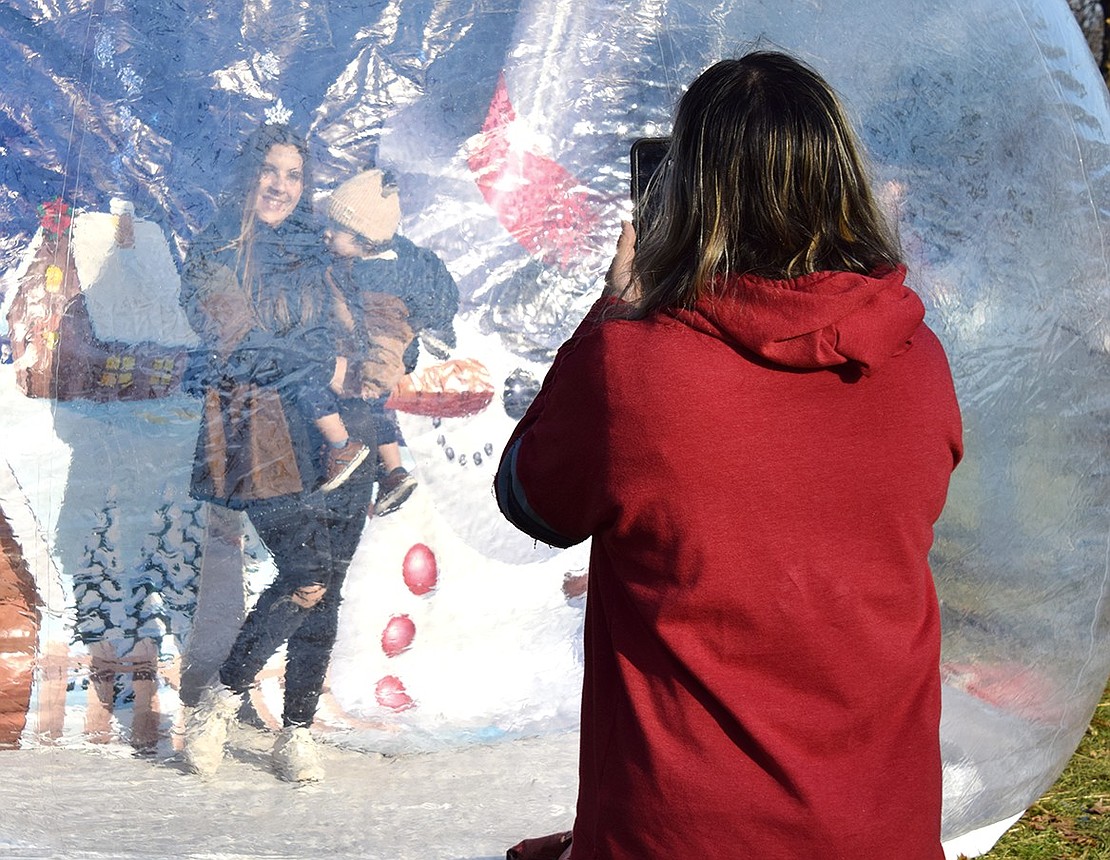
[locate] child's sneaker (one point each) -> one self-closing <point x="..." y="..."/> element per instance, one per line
<point x="393" y="490"/>
<point x="341" y="463"/>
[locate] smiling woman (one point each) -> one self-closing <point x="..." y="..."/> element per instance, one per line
<point x="280" y="185"/>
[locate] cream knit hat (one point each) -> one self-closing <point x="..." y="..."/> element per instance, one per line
<point x="360" y="206"/>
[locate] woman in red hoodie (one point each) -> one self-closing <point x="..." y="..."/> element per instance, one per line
<point x="758" y="443"/>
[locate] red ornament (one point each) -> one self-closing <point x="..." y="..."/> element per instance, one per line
<point x="390" y="693"/>
<point x="419" y="569"/>
<point x="397" y="635"/>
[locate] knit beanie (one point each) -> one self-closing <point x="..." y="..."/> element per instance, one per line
<point x="359" y="206"/>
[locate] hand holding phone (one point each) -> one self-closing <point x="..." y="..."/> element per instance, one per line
<point x="618" y="280"/>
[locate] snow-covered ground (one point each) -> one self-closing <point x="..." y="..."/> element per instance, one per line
<point x="473" y="803"/>
<point x="470" y="803"/>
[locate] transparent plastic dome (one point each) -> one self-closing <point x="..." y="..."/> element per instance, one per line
<point x="508" y="123"/>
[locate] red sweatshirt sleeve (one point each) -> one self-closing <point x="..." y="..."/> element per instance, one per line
<point x="551" y="479"/>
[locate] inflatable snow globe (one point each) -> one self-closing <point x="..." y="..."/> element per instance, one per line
<point x="505" y="128"/>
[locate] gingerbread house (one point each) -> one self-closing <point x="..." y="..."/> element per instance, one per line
<point x="96" y="315"/>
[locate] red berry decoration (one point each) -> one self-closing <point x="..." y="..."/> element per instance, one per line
<point x="397" y="635"/>
<point x="390" y="693"/>
<point x="419" y="569"/>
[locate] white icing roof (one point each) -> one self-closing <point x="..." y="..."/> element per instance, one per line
<point x="131" y="293"/>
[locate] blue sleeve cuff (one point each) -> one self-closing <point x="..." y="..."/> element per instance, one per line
<point x="513" y="502"/>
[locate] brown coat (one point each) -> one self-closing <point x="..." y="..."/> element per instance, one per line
<point x="254" y="442"/>
<point x="245" y="451"/>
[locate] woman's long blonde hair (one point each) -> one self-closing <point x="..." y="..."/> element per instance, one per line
<point x="764" y="176"/>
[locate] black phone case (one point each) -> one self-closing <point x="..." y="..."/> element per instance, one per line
<point x="645" y="158"/>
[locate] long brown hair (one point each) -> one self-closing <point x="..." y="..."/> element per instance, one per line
<point x="271" y="311"/>
<point x="764" y="176"/>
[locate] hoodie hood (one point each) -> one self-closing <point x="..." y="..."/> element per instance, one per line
<point x="824" y="319"/>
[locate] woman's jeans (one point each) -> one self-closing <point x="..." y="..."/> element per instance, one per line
<point x="312" y="538"/>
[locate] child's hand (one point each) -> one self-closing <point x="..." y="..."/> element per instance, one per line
<point x="380" y="373"/>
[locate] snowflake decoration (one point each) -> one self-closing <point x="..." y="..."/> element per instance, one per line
<point x="278" y="114"/>
<point x="132" y="81"/>
<point x="268" y="64"/>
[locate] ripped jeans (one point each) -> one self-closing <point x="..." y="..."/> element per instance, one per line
<point x="312" y="538"/>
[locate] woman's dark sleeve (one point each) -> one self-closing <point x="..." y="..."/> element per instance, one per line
<point x="302" y="356"/>
<point x="215" y="305"/>
<point x="192" y="275"/>
<point x="445" y="297"/>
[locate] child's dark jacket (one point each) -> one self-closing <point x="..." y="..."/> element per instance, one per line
<point x="392" y="302"/>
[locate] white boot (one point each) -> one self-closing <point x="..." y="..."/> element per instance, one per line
<point x="206" y="728"/>
<point x="295" y="756"/>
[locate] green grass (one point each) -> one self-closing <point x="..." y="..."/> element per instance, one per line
<point x="1072" y="820"/>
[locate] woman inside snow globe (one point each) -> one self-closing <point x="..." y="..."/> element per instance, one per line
<point x="254" y="290"/>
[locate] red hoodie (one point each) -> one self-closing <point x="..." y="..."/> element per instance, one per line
<point x="760" y="476"/>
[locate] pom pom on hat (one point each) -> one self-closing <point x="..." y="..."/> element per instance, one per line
<point x="362" y="206"/>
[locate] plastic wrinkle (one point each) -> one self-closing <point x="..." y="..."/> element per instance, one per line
<point x="507" y="125"/>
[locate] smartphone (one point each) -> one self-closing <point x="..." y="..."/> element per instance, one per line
<point x="645" y="158"/>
